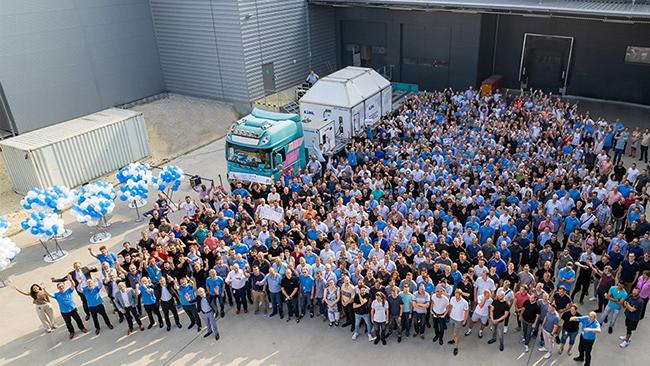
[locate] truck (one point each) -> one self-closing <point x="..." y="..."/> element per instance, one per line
<point x="262" y="146"/>
<point x="265" y="145"/>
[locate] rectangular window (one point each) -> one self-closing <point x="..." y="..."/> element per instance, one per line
<point x="637" y="55"/>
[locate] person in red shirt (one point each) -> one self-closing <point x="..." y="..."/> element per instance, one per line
<point x="210" y="241"/>
<point x="520" y="298"/>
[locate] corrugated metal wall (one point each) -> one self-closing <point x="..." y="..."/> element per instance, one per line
<point x="32" y="161"/>
<point x="322" y="30"/>
<point x="200" y="47"/>
<point x="216" y="48"/>
<point x="274" y="31"/>
<point x="66" y="58"/>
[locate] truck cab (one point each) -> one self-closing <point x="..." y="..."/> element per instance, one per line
<point x="263" y="145"/>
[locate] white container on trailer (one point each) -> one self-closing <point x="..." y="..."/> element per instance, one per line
<point x="352" y="97"/>
<point x="74" y="152"/>
<point x="319" y="132"/>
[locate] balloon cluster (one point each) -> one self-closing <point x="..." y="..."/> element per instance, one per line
<point x="51" y="199"/>
<point x="94" y="201"/>
<point x="170" y="177"/>
<point x="8" y="249"/>
<point x="44" y="225"/>
<point x="135" y="179"/>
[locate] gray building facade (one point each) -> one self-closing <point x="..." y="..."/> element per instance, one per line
<point x="67" y="58"/>
<point x="239" y="51"/>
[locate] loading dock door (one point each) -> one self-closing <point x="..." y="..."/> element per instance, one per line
<point x="545" y="62"/>
<point x="425" y="55"/>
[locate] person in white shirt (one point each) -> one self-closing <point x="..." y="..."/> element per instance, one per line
<point x="632" y="173"/>
<point x="483" y="283"/>
<point x="188" y="207"/>
<point x="327" y="253"/>
<point x="379" y="316"/>
<point x="481" y="313"/>
<point x="458" y="312"/>
<point x="237" y="279"/>
<point x="439" y="312"/>
<point x="273" y="196"/>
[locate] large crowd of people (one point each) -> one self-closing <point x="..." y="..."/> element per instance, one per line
<point x="461" y="213"/>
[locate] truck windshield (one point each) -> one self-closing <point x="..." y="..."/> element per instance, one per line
<point x="249" y="157"/>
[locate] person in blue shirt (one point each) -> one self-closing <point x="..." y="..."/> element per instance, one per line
<point x="365" y="247"/>
<point x="570" y="223"/>
<point x="380" y="224"/>
<point x="153" y="271"/>
<point x="104" y="256"/>
<point x="67" y="306"/>
<point x="215" y="286"/>
<point x="148" y="297"/>
<point x="590" y="328"/>
<point x="498" y="263"/>
<point x="485" y="232"/>
<point x="310" y="256"/>
<point x="272" y="282"/>
<point x="616" y="296"/>
<point x="566" y="277"/>
<point x="186" y="294"/>
<point x="240" y="191"/>
<point x="306" y="292"/>
<point x="95" y="303"/>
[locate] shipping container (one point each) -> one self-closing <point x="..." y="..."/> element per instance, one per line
<point x="74" y="152"/>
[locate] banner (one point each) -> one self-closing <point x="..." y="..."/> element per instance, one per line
<point x="248" y="177"/>
<point x="270" y="214"/>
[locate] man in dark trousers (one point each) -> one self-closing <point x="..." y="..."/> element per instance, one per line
<point x="289" y="286"/>
<point x="168" y="297"/>
<point x="80" y="276"/>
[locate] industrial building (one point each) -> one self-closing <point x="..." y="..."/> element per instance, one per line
<point x="64" y="59"/>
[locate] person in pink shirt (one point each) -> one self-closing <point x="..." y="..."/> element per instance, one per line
<point x="613" y="196"/>
<point x="643" y="284"/>
<point x="520" y="298"/>
<point x="546" y="224"/>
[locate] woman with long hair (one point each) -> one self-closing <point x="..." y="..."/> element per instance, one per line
<point x="379" y="317"/>
<point x="41" y="301"/>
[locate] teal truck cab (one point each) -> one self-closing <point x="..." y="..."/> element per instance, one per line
<point x="263" y="145"/>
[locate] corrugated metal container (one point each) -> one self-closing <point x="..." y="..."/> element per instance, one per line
<point x="77" y="151"/>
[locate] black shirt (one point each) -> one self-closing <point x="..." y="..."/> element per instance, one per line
<point x="275" y="252"/>
<point x="568" y="325"/>
<point x="467" y="288"/>
<point x="512" y="277"/>
<point x="289" y="284"/>
<point x="499" y="308"/>
<point x="394" y="304"/>
<point x="257" y="278"/>
<point x="363" y="309"/>
<point x="130" y="251"/>
<point x="629" y="270"/>
<point x="147" y="245"/>
<point x="561" y="302"/>
<point x="531" y="311"/>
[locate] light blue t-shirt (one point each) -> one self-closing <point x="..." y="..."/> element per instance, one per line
<point x="564" y="275"/>
<point x="406" y="301"/>
<point x="618" y="295"/>
<point x="66" y="303"/>
<point x="586" y="323"/>
<point x="218" y="282"/>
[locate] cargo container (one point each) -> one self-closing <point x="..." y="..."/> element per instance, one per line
<point x="353" y="97"/>
<point x="74" y="152"/>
